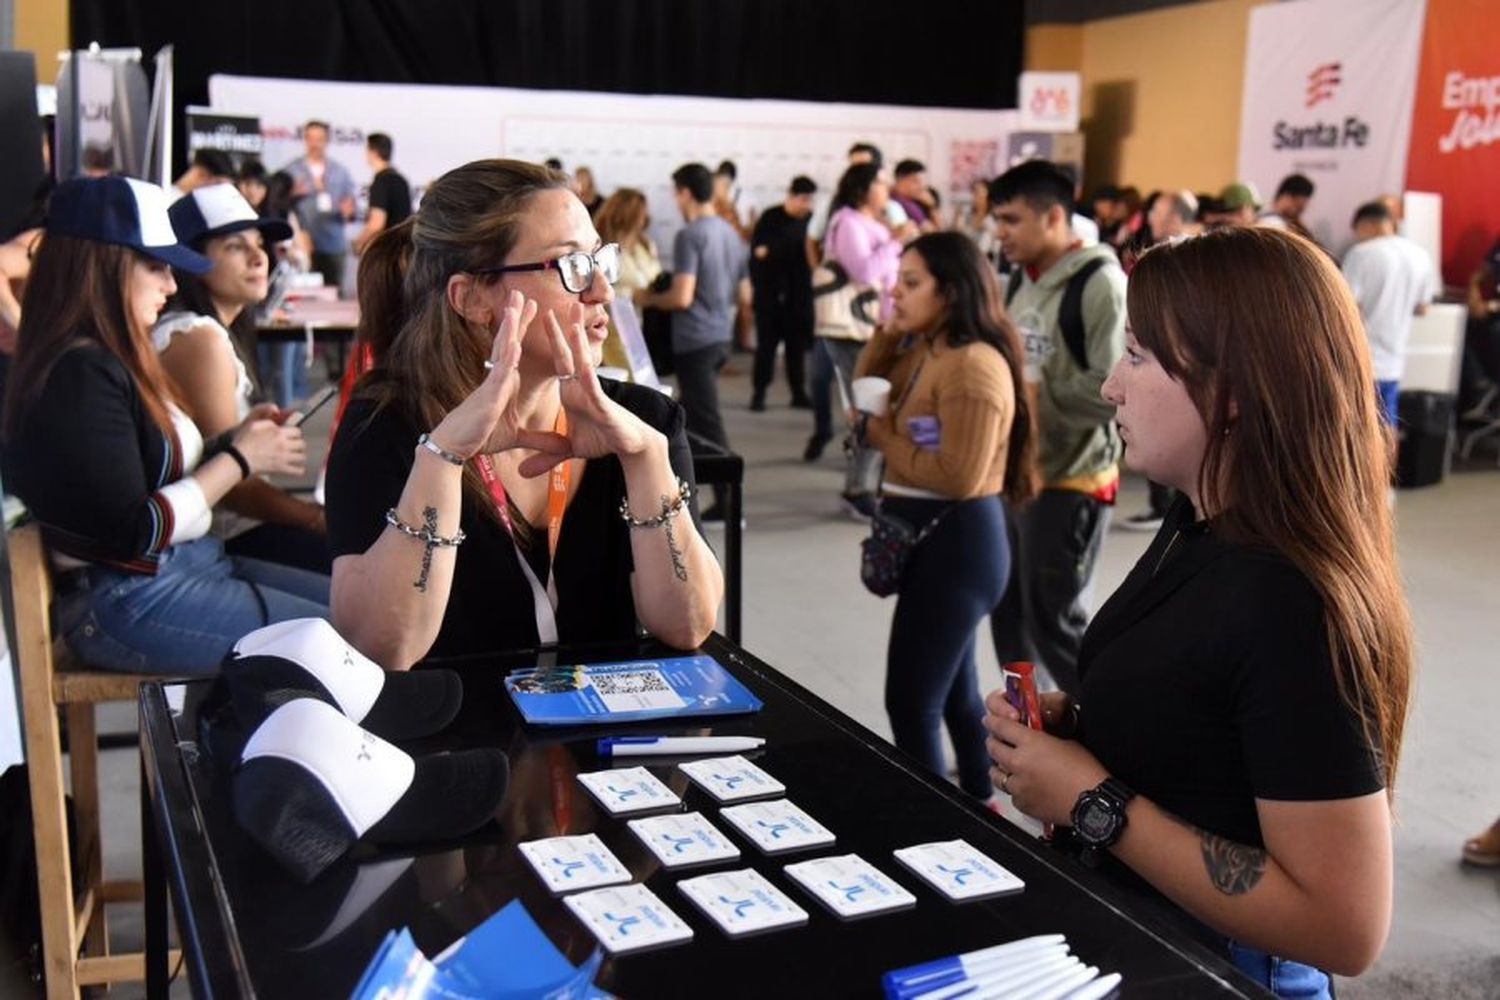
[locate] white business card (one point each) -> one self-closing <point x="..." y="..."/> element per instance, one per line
<point x="567" y="864"/>
<point x="849" y="886"/>
<point x="958" y="871"/>
<point x="732" y="779"/>
<point x="628" y="790"/>
<point x="628" y="918"/>
<point x="682" y="840"/>
<point x="742" y="902"/>
<point x="777" y="827"/>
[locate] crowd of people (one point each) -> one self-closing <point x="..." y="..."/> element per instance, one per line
<point x="1245" y="688"/>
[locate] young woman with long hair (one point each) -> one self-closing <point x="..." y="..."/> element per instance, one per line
<point x="206" y="338"/>
<point x="486" y="489"/>
<point x="1244" y="692"/>
<point x="121" y="480"/>
<point x="958" y="437"/>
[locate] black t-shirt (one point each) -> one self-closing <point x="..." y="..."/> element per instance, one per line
<point x="390" y="191"/>
<point x="783" y="274"/>
<point x="490" y="605"/>
<point x="1208" y="683"/>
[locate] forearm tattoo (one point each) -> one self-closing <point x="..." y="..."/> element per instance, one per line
<point x="679" y="566"/>
<point x="429" y="521"/>
<point x="1233" y="868"/>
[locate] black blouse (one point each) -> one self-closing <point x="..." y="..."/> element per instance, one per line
<point x="1207" y="683"/>
<point x="490" y="605"/>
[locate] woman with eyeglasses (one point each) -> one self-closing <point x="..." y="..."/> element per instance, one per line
<point x="486" y="490"/>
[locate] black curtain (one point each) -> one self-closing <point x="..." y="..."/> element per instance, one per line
<point x="962" y="53"/>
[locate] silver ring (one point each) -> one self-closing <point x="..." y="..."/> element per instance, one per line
<point x="489" y="366"/>
<point x="566" y="378"/>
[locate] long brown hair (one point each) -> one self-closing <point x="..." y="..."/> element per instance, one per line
<point x="76" y="291"/>
<point x="1264" y="334"/>
<point x="622" y="217"/>
<point x="976" y="312"/>
<point x="427" y="357"/>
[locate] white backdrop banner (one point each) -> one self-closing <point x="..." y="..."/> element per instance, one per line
<point x="626" y="140"/>
<point x="1331" y="102"/>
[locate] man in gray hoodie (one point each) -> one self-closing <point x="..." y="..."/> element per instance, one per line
<point x="1068" y="303"/>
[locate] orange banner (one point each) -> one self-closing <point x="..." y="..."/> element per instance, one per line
<point x="1455" y="133"/>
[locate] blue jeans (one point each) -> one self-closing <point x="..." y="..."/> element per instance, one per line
<point x="184" y="619"/>
<point x="1389" y="391"/>
<point x="1279" y="975"/>
<point x="283" y="372"/>
<point x="828" y="354"/>
<point x="952" y="579"/>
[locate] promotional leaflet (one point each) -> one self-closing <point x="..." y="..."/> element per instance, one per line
<point x="571" y="695"/>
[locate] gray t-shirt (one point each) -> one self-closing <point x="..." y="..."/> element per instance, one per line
<point x="710" y="249"/>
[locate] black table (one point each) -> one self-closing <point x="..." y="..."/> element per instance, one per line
<point x="716" y="466"/>
<point x="246" y="929"/>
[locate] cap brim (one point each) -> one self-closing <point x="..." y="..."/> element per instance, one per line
<point x="415" y="703"/>
<point x="179" y="257"/>
<point x="451" y="795"/>
<point x="273" y="230"/>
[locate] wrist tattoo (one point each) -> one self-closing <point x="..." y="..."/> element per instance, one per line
<point x="1233" y="868"/>
<point x="429" y="521"/>
<point x="679" y="567"/>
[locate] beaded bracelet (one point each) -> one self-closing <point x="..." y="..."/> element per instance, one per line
<point x="423" y="535"/>
<point x="669" y="508"/>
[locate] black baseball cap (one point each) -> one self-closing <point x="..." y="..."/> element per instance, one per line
<point x="125" y="212"/>
<point x="310" y="783"/>
<point x="306" y="657"/>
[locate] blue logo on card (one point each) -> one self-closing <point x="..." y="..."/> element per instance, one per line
<point x="740" y="905"/>
<point x="679" y="844"/>
<point x="568" y="867"/>
<point x="733" y="781"/>
<point x="851" y="892"/>
<point x="960" y="875"/>
<point x="623" y="924"/>
<point x="624" y="793"/>
<point x="774" y="829"/>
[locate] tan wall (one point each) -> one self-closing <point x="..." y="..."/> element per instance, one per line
<point x="42" y="29"/>
<point x="1161" y="92"/>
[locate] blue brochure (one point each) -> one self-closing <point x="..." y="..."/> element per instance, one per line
<point x="628" y="692"/>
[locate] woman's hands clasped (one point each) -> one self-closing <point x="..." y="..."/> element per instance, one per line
<point x="488" y="421"/>
<point x="1042" y="772"/>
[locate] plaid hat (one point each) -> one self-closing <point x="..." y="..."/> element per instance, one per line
<point x="123" y="211"/>
<point x="218" y="210"/>
<point x="1237" y="196"/>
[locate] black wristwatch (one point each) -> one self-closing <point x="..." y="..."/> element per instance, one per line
<point x="1099" y="816"/>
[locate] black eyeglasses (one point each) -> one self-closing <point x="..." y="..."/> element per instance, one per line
<point x="575" y="269"/>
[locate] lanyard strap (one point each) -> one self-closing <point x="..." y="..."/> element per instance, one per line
<point x="558" y="483"/>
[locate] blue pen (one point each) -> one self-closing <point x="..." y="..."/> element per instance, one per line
<point x="658" y="746"/>
<point x="945" y="971"/>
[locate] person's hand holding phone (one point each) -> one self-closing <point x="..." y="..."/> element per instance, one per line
<point x="268" y="445"/>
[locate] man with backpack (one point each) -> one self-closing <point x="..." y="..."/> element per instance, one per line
<point x="1068" y="303"/>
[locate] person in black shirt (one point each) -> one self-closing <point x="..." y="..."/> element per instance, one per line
<point x="390" y="195"/>
<point x="1244" y="692"/>
<point x="781" y="277"/>
<point x="486" y="490"/>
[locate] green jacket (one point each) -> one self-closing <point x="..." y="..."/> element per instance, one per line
<point x="1077" y="435"/>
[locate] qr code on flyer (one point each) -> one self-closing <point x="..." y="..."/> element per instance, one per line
<point x="635" y="691"/>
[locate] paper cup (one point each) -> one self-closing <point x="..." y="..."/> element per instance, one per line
<point x="872" y="395"/>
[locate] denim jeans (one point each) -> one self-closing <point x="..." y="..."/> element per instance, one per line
<point x="1281" y="976"/>
<point x="184" y="619"/>
<point x="828" y="355"/>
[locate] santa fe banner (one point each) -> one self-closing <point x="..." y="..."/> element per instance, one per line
<point x="1328" y="87"/>
<point x="626" y="140"/>
<point x="1455" y="133"/>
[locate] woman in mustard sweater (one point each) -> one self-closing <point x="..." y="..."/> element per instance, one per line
<point x="956" y="438"/>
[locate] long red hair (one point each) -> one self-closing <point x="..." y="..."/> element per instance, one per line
<point x="1264" y="333"/>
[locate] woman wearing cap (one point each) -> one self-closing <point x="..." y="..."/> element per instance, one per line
<point x="1244" y="692"/>
<point x="121" y="480"/>
<point x="205" y="338"/>
<point x="486" y="490"/>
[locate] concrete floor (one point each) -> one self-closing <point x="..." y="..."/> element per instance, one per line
<point x="807" y="614"/>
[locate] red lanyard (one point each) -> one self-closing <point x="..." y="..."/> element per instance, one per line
<point x="557" y="491"/>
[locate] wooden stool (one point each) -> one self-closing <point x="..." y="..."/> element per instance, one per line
<point x="75" y="938"/>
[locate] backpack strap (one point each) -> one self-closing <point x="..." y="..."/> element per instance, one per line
<point x="1070" y="312"/>
<point x="1013" y="285"/>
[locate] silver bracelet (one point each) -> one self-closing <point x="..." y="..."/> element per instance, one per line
<point x="422" y="534"/>
<point x="426" y="441"/>
<point x="669" y="508"/>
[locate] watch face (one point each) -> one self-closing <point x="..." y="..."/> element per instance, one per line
<point x="1095" y="821"/>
